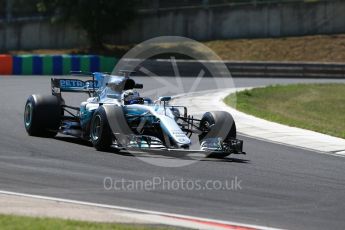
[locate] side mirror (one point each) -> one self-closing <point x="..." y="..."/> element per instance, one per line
<point x="138" y="86"/>
<point x="165" y="101"/>
<point x="165" y="98"/>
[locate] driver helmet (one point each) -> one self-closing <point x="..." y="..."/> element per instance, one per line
<point x="130" y="97"/>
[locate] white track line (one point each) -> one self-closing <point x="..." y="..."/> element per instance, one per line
<point x="154" y="216"/>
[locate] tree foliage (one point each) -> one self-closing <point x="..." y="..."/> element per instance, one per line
<point x="97" y="17"/>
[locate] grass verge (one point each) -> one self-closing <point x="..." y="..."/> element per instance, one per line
<point x="23" y="222"/>
<point x="322" y="48"/>
<point x="317" y="107"/>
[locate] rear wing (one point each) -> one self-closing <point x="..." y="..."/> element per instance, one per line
<point x="98" y="81"/>
<point x="74" y="85"/>
<point x="59" y="85"/>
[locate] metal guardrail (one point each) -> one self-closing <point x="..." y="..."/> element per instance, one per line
<point x="205" y="4"/>
<point x="191" y="68"/>
<point x="287" y="69"/>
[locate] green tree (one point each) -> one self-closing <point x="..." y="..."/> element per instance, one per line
<point x="97" y="17"/>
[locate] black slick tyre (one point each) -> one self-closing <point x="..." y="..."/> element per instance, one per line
<point x="100" y="132"/>
<point x="218" y="124"/>
<point x="42" y="115"/>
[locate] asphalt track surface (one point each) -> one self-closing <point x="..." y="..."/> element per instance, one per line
<point x="281" y="186"/>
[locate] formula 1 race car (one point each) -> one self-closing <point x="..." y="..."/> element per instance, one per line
<point x="115" y="115"/>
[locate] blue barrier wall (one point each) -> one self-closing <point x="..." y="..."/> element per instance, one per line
<point x="55" y="64"/>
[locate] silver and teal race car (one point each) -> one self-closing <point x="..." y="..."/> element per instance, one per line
<point x="116" y="116"/>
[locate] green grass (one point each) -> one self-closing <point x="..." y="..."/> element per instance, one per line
<point x="20" y="222"/>
<point x="318" y="107"/>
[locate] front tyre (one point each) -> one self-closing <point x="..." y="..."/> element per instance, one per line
<point x="100" y="132"/>
<point x="42" y="115"/>
<point x="217" y="124"/>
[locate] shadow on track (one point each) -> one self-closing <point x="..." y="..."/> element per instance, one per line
<point x="149" y="154"/>
<point x="73" y="140"/>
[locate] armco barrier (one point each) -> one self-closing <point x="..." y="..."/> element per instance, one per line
<point x="63" y="64"/>
<point x="187" y="68"/>
<point x="54" y="64"/>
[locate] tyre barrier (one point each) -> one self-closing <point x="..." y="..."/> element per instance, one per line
<point x="54" y="64"/>
<point x="6" y="64"/>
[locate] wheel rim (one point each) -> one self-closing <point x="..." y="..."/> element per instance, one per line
<point x="206" y="125"/>
<point x="28" y="115"/>
<point x="96" y="128"/>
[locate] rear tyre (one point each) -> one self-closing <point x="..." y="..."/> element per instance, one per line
<point x="42" y="115"/>
<point x="217" y="124"/>
<point x="100" y="132"/>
